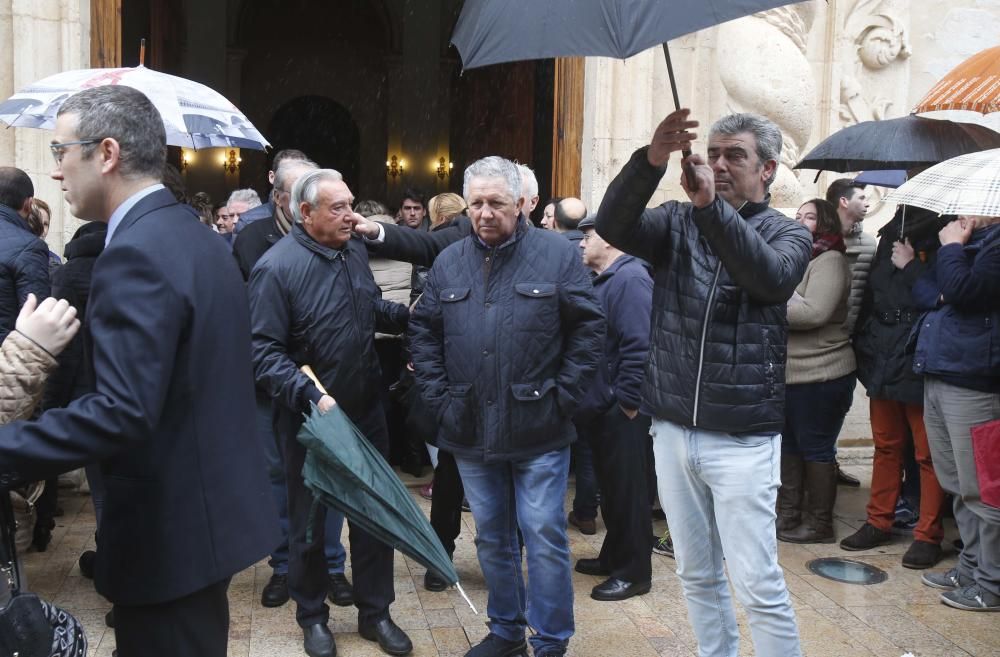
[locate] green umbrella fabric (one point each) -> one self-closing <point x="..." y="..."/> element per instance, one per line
<point x="345" y="472"/>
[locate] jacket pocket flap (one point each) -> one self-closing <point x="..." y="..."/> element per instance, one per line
<point x="535" y="289"/>
<point x="531" y="391"/>
<point x="451" y="294"/>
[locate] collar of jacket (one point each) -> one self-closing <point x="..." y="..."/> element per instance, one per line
<point x="89" y="245"/>
<point x="12" y="217"/>
<point x="306" y="240"/>
<point x="750" y="208"/>
<point x="522" y="228"/>
<point x="619" y="262"/>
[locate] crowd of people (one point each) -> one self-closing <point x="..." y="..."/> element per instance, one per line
<point x="704" y="352"/>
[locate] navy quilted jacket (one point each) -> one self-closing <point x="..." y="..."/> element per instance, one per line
<point x="721" y="279"/>
<point x="505" y="341"/>
<point x="24" y="267"/>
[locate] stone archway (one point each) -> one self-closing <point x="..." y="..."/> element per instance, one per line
<point x="324" y="129"/>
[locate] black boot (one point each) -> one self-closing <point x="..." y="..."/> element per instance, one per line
<point x="820" y="484"/>
<point x="790" y="493"/>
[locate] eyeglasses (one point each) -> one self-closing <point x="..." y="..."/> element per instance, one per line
<point x="59" y="150"/>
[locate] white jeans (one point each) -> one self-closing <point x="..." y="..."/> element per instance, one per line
<point x="718" y="492"/>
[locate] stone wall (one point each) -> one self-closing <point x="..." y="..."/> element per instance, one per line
<point x="46" y="37"/>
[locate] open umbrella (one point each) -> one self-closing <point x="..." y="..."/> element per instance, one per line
<point x="194" y="115"/>
<point x="496" y="31"/>
<point x="904" y="143"/>
<point x="891" y="178"/>
<point x="345" y="472"/>
<point x="969" y="93"/>
<point x="969" y="185"/>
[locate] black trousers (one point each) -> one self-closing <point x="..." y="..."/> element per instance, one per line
<point x="620" y="459"/>
<point x="446" y="502"/>
<point x="194" y="626"/>
<point x="371" y="559"/>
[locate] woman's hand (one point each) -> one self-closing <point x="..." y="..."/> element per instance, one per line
<point x="50" y="325"/>
<point x="902" y="253"/>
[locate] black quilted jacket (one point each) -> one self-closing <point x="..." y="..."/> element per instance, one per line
<point x="505" y="341"/>
<point x="721" y="281"/>
<point x="24" y="267"/>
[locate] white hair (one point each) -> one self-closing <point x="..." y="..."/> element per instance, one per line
<point x="306" y="189"/>
<point x="493" y="166"/>
<point x="247" y="196"/>
<point x="529" y="184"/>
<point x="288" y="165"/>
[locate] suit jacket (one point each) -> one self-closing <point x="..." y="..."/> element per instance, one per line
<point x="172" y="416"/>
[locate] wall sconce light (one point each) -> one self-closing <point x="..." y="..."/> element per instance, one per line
<point x="444" y="168"/>
<point x="186" y="159"/>
<point x="394" y="167"/>
<point x="231" y="162"/>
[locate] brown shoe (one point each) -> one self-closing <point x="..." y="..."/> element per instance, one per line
<point x="588" y="527"/>
<point x="922" y="554"/>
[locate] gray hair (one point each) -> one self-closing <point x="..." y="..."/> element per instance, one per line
<point x="766" y="133"/>
<point x="529" y="184"/>
<point x="306" y="189"/>
<point x="286" y="166"/>
<point x="493" y="166"/>
<point x="127" y="116"/>
<point x="247" y="196"/>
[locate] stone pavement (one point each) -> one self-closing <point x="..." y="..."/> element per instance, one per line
<point x="835" y="620"/>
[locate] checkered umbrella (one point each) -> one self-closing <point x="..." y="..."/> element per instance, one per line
<point x="967" y="184"/>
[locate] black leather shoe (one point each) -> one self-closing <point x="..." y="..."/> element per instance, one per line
<point x="87" y="563"/>
<point x="109" y="618"/>
<point x="275" y="592"/>
<point x="494" y="646"/>
<point x="391" y="639"/>
<point x="591" y="567"/>
<point x="434" y="583"/>
<point x="613" y="589"/>
<point x="341" y="592"/>
<point x="318" y="641"/>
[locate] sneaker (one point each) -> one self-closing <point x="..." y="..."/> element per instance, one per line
<point x="949" y="580"/>
<point x="922" y="554"/>
<point x="495" y="646"/>
<point x="866" y="538"/>
<point x="905" y="518"/>
<point x="971" y="598"/>
<point x="664" y="544"/>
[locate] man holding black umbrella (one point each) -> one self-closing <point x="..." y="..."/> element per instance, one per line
<point x="725" y="264"/>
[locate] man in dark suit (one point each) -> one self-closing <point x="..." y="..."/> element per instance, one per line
<point x="187" y="501"/>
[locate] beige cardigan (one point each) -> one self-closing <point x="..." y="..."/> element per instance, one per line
<point x="819" y="347"/>
<point x="24" y="366"/>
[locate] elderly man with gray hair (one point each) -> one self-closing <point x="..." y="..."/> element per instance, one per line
<point x="725" y="264"/>
<point x="313" y="302"/>
<point x="505" y="340"/>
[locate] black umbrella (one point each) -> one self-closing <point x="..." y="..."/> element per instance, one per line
<point x="496" y="31"/>
<point x="903" y="143"/>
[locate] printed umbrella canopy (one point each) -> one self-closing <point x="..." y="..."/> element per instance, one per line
<point x="194" y="115"/>
<point x="969" y="185"/>
<point x="969" y="93"/>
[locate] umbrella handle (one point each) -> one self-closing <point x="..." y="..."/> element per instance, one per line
<point x="308" y="371"/>
<point x="692" y="180"/>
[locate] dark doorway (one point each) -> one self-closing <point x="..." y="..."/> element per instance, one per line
<point x="323" y="128"/>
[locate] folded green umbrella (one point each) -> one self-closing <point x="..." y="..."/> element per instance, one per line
<point x="345" y="472"/>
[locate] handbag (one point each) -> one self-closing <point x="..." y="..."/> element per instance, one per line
<point x="25" y="629"/>
<point x="23" y="500"/>
<point x="986" y="450"/>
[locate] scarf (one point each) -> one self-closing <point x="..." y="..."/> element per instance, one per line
<point x="823" y="242"/>
<point x="282" y="222"/>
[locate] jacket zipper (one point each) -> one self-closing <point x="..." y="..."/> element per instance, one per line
<point x="704" y="335"/>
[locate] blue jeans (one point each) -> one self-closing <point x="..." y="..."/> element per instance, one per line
<point x="335" y="553"/>
<point x="814" y="415"/>
<point x="528" y="494"/>
<point x="719" y="491"/>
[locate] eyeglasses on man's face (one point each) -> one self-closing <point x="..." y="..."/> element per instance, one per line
<point x="59" y="150"/>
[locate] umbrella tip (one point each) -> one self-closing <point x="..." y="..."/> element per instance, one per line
<point x="142" y="52"/>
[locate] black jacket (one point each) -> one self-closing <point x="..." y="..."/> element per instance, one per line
<point x="171" y="417"/>
<point x="253" y="242"/>
<point x="505" y="341"/>
<point x="420" y="247"/>
<point x="721" y="281"/>
<point x="24" y="267"/>
<point x="889" y="312"/>
<point x="317" y="306"/>
<point x="75" y="375"/>
<point x="625" y="291"/>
